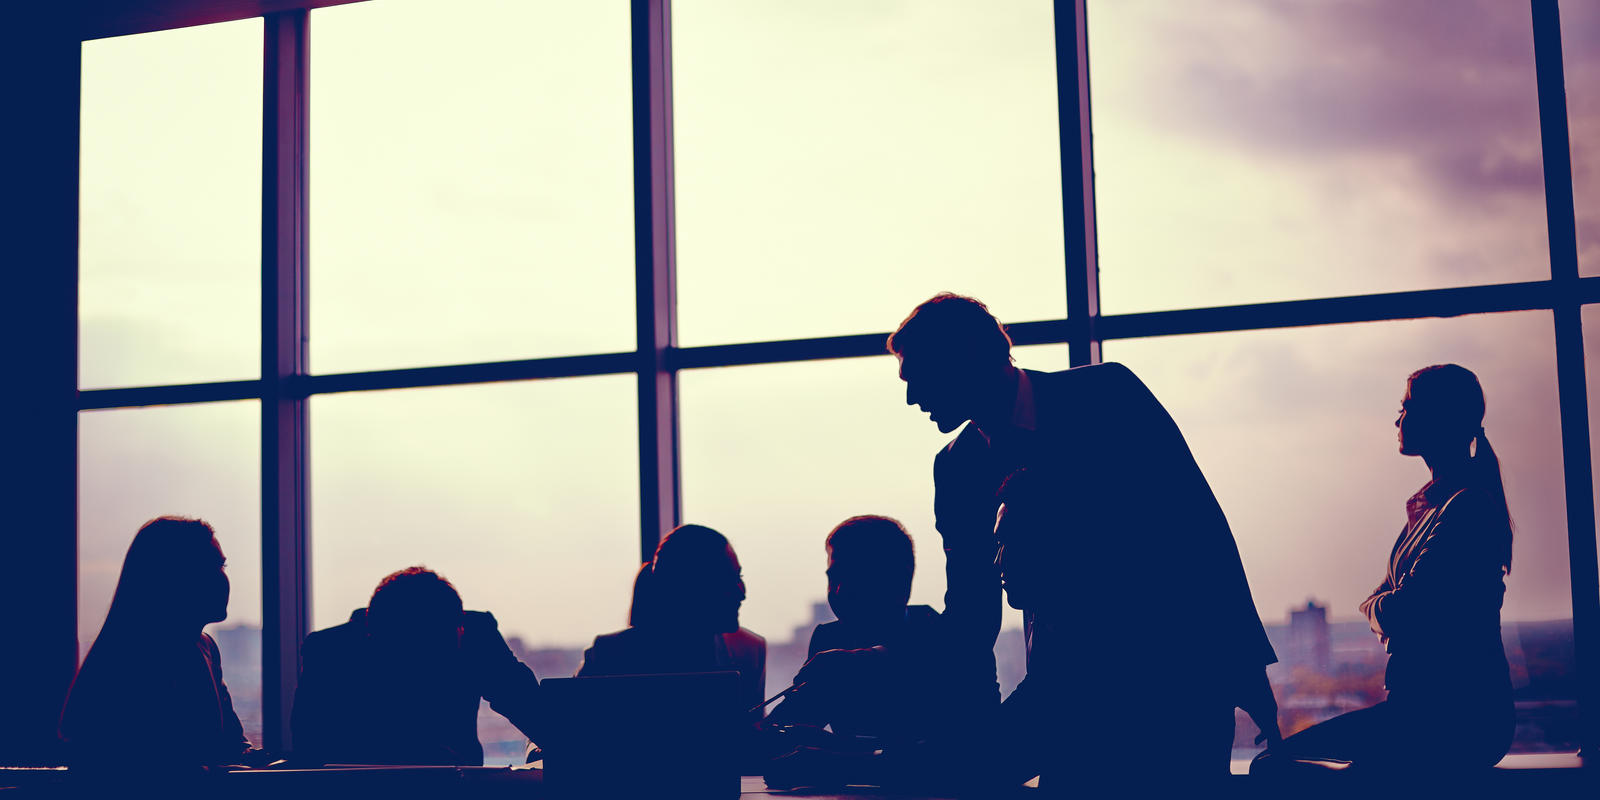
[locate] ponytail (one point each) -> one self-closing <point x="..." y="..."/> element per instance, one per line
<point x="1486" y="469"/>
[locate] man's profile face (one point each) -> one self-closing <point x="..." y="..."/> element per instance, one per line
<point x="943" y="388"/>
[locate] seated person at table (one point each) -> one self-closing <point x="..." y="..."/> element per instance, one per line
<point x="871" y="562"/>
<point x="150" y="693"/>
<point x="1104" y="701"/>
<point x="685" y="617"/>
<point x="400" y="682"/>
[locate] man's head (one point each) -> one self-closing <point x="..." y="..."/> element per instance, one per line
<point x="870" y="566"/>
<point x="953" y="357"/>
<point x="1028" y="531"/>
<point x="416" y="610"/>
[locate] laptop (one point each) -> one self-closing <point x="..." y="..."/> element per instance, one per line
<point x="642" y="735"/>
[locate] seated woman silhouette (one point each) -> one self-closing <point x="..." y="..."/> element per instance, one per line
<point x="150" y="693"/>
<point x="685" y="617"/>
<point x="1438" y="608"/>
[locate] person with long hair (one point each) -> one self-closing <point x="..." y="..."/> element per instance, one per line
<point x="685" y="617"/>
<point x="150" y="692"/>
<point x="1438" y="608"/>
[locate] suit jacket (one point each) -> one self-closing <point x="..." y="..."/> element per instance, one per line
<point x="648" y="651"/>
<point x="1161" y="606"/>
<point x="901" y="696"/>
<point x="148" y="704"/>
<point x="1438" y="608"/>
<point x="357" y="705"/>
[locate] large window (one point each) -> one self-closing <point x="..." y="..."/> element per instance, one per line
<point x="557" y="276"/>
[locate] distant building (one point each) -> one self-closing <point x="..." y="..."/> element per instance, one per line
<point x="1310" y="639"/>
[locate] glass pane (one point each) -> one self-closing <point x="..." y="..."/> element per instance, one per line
<point x="524" y="495"/>
<point x="202" y="461"/>
<point x="1295" y="430"/>
<point x="169" y="205"/>
<point x="839" y="162"/>
<point x="1252" y="150"/>
<point x="471" y="182"/>
<point x="776" y="455"/>
<point x="1580" y="49"/>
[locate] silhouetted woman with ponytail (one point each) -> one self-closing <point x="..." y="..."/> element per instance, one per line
<point x="1438" y="607"/>
<point x="150" y="693"/>
<point x="685" y="617"/>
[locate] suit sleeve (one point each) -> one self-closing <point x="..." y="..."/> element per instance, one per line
<point x="1458" y="558"/>
<point x="1372" y="599"/>
<point x="508" y="684"/>
<point x="964" y="507"/>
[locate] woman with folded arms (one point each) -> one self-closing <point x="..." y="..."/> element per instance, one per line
<point x="1438" y="608"/>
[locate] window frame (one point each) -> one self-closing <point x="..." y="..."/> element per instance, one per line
<point x="286" y="384"/>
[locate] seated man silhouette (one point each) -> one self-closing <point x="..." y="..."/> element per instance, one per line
<point x="871" y="562"/>
<point x="685" y="617"/>
<point x="1105" y="705"/>
<point x="400" y="682"/>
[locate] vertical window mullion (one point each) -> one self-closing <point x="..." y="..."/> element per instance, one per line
<point x="1570" y="378"/>
<point x="660" y="481"/>
<point x="1077" y="181"/>
<point x="284" y="487"/>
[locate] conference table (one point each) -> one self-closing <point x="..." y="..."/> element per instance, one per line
<point x="1549" y="775"/>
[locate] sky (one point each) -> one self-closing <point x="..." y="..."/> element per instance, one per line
<point x="836" y="162"/>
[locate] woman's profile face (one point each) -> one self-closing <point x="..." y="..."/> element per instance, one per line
<point x="1418" y="425"/>
<point x="212" y="587"/>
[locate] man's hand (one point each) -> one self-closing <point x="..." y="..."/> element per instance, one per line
<point x="1259" y="702"/>
<point x="832" y="667"/>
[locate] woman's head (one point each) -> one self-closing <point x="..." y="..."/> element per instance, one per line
<point x="694" y="581"/>
<point x="172" y="578"/>
<point x="1441" y="419"/>
<point x="1441" y="413"/>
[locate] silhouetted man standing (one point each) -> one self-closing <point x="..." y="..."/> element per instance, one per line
<point x="1163" y="640"/>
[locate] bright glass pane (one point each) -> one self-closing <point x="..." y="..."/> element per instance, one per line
<point x="524" y="495"/>
<point x="1254" y="150"/>
<point x="471" y="182"/>
<point x="776" y="455"/>
<point x="200" y="461"/>
<point x="1580" y="49"/>
<point x="1295" y="431"/>
<point x="169" y="207"/>
<point x="840" y="161"/>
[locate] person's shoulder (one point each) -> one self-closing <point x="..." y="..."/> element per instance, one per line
<point x="1467" y="503"/>
<point x="607" y="642"/>
<point x="748" y="637"/>
<point x="1106" y="373"/>
<point x="479" y="621"/>
<point x="339" y="635"/>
